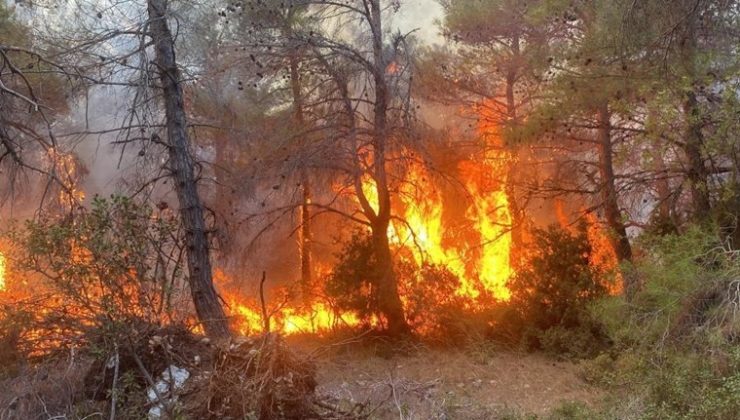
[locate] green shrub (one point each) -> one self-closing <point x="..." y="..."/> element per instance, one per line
<point x="550" y="297"/>
<point x="98" y="275"/>
<point x="676" y="339"/>
<point x="352" y="282"/>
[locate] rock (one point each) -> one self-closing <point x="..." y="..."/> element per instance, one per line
<point x="171" y="380"/>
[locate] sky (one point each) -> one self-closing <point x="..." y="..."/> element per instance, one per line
<point x="421" y="15"/>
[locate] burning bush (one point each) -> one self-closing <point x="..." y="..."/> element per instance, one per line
<point x="551" y="295"/>
<point x="95" y="275"/>
<point x="428" y="291"/>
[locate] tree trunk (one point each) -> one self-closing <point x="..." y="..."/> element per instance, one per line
<point x="305" y="231"/>
<point x="697" y="170"/>
<point x="665" y="219"/>
<point x="612" y="214"/>
<point x="515" y="211"/>
<point x="206" y="302"/>
<point x="390" y="301"/>
<point x="306" y="238"/>
<point x="697" y="173"/>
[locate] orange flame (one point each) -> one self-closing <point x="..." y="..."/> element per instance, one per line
<point x="603" y="255"/>
<point x="2" y="272"/>
<point x="68" y="171"/>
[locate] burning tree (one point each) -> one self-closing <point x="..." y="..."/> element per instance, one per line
<point x="100" y="54"/>
<point x="383" y="71"/>
<point x="352" y="138"/>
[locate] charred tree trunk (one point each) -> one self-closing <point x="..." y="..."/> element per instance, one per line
<point x="612" y="214"/>
<point x="305" y="231"/>
<point x="390" y="301"/>
<point x="515" y="210"/>
<point x="306" y="238"/>
<point x="205" y="299"/>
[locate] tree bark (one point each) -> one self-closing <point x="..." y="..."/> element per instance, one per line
<point x="206" y="302"/>
<point x="389" y="299"/>
<point x="305" y="230"/>
<point x="697" y="171"/>
<point x="612" y="213"/>
<point x="515" y="210"/>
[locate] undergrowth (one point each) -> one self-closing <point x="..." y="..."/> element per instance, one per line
<point x="675" y="352"/>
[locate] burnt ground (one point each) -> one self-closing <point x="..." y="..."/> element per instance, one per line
<point x="433" y="383"/>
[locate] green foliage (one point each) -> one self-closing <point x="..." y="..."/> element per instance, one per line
<point x="551" y="296"/>
<point x="676" y="339"/>
<point x="353" y="280"/>
<point x="572" y="410"/>
<point x="686" y="282"/>
<point x="112" y="269"/>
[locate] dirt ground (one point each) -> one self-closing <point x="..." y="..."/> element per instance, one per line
<point x="451" y="384"/>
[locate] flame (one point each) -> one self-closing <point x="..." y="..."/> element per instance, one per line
<point x="246" y="314"/>
<point x="603" y="255"/>
<point x="423" y="230"/>
<point x="481" y="262"/>
<point x="2" y="272"/>
<point x="68" y="172"/>
<point x="318" y="319"/>
<point x="476" y="248"/>
<point x="490" y="213"/>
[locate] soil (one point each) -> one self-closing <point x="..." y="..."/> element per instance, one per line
<point x="451" y="384"/>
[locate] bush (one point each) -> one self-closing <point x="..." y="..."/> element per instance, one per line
<point x="551" y="296"/>
<point x="431" y="306"/>
<point x="676" y="339"/>
<point x="353" y="280"/>
<point x="97" y="275"/>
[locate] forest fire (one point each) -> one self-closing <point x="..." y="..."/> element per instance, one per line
<point x="478" y="255"/>
<point x="474" y="245"/>
<point x="481" y="259"/>
<point x="293" y="209"/>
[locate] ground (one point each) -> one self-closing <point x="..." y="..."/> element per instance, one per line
<point x="429" y="383"/>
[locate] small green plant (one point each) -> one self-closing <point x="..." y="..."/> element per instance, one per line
<point x="572" y="410"/>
